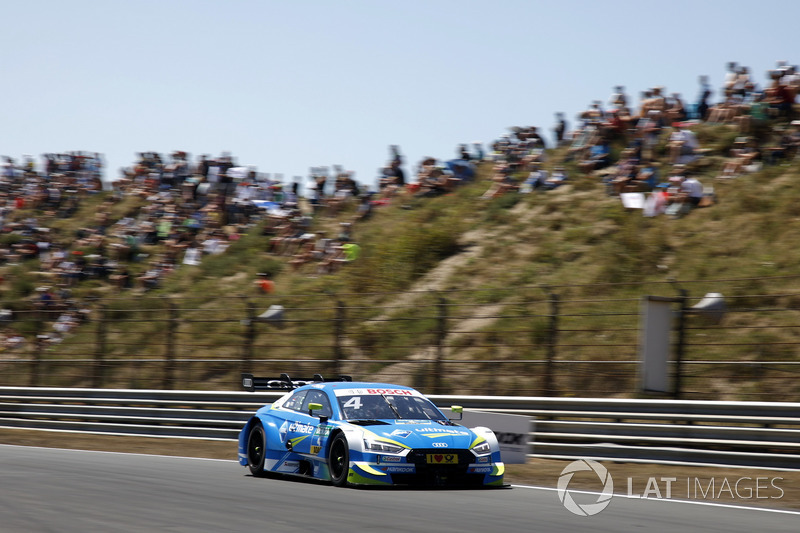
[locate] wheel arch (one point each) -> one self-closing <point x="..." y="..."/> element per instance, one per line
<point x="335" y="433"/>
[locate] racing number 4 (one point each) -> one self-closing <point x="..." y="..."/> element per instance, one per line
<point x="353" y="403"/>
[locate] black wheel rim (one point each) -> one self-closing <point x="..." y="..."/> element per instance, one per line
<point x="255" y="447"/>
<point x="338" y="453"/>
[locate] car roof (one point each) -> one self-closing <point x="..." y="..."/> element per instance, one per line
<point x="355" y="385"/>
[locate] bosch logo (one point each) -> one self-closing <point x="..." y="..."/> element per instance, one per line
<point x="439" y="445"/>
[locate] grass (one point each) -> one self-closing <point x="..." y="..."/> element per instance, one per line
<point x="575" y="238"/>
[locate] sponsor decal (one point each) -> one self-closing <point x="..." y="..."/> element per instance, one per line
<point x="322" y="431"/>
<point x="389" y="459"/>
<point x="402" y="433"/>
<point x="295" y="441"/>
<point x="440" y="432"/>
<point x="415" y="422"/>
<point x="398" y="469"/>
<point x="482" y="459"/>
<point x="480" y="469"/>
<point x="441" y="458"/>
<point x="376" y="392"/>
<point x="291" y="464"/>
<point x="299" y="427"/>
<point x="391" y="392"/>
<point x="315" y="450"/>
<point x="519" y="439"/>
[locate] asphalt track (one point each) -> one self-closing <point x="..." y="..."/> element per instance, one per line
<point x="51" y="490"/>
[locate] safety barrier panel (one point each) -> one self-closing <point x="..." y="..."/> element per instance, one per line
<point x="752" y="434"/>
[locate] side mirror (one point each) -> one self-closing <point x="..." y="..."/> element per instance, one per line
<point x="316" y="407"/>
<point x="457" y="409"/>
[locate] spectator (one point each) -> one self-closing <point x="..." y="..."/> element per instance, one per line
<point x="264" y="283"/>
<point x="701" y="108"/>
<point x="479" y="154"/>
<point x="599" y="157"/>
<point x="676" y="112"/>
<point x="682" y="144"/>
<point x="431" y="179"/>
<point x="780" y="96"/>
<point x="192" y="256"/>
<point x="648" y="131"/>
<point x="503" y="181"/>
<point x="618" y="99"/>
<point x="560" y="129"/>
<point x="690" y="194"/>
<point x="351" y="251"/>
<point x="745" y="154"/>
<point x="537" y="177"/>
<point x="730" y="77"/>
<point x="556" y="178"/>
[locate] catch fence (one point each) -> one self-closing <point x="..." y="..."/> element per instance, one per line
<point x="570" y="340"/>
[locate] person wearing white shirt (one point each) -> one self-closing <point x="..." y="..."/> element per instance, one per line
<point x="693" y="190"/>
<point x="682" y="144"/>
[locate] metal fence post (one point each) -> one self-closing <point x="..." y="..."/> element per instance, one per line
<point x="338" y="335"/>
<point x="549" y="388"/>
<point x="98" y="373"/>
<point x="36" y="363"/>
<point x="249" y="337"/>
<point x="679" y="345"/>
<point x="441" y="334"/>
<point x="169" y="356"/>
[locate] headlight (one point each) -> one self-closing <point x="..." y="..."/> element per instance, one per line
<point x="381" y="447"/>
<point x="482" y="448"/>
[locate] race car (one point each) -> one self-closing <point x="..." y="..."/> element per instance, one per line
<point x="361" y="433"/>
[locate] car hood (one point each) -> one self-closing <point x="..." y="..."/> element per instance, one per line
<point x="420" y="433"/>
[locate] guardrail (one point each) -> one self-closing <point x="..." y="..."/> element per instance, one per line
<point x="752" y="434"/>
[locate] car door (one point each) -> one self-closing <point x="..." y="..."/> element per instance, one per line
<point x="286" y="416"/>
<point x="307" y="435"/>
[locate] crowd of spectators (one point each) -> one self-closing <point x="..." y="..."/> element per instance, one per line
<point x="181" y="212"/>
<point x="649" y="155"/>
<point x="55" y="189"/>
<point x="190" y="209"/>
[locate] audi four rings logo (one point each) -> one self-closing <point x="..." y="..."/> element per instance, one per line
<point x="588" y="509"/>
<point x="440" y="445"/>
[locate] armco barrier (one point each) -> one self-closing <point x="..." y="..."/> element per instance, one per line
<point x="753" y="434"/>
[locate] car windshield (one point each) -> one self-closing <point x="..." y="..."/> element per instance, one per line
<point x="356" y="406"/>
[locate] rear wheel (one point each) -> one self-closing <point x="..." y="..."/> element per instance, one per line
<point x="256" y="449"/>
<point x="339" y="460"/>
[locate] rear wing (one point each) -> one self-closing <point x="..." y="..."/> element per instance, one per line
<point x="252" y="383"/>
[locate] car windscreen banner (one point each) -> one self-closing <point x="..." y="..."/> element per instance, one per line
<point x="376" y="392"/>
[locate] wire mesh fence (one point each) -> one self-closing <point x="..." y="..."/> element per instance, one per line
<point x="571" y="340"/>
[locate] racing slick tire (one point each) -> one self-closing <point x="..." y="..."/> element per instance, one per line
<point x="256" y="450"/>
<point x="339" y="460"/>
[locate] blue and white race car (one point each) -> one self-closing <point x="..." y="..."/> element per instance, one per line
<point x="364" y="434"/>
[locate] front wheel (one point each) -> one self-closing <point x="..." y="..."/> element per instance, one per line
<point x="339" y="460"/>
<point x="256" y="450"/>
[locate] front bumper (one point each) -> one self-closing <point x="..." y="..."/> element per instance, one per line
<point x="409" y="473"/>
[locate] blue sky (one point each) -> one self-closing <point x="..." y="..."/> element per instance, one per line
<point x="287" y="85"/>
